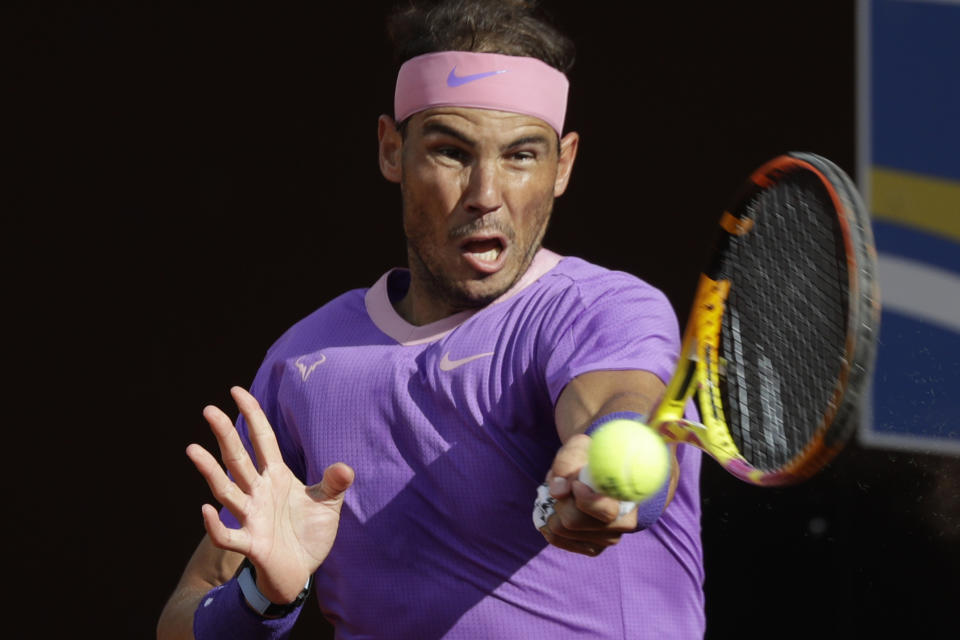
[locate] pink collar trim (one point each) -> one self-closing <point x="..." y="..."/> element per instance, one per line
<point x="377" y="302"/>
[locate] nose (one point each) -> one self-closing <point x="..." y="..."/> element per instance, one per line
<point x="483" y="195"/>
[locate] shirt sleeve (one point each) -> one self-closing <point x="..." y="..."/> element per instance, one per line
<point x="611" y="322"/>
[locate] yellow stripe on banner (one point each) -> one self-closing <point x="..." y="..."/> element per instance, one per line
<point x="930" y="204"/>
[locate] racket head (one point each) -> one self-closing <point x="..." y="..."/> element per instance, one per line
<point x="781" y="379"/>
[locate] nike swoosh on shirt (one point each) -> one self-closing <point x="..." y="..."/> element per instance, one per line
<point x="446" y="364"/>
<point x="453" y="80"/>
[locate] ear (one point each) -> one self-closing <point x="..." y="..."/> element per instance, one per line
<point x="568" y="153"/>
<point x="391" y="146"/>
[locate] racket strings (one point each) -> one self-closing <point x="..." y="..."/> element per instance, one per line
<point x="783" y="336"/>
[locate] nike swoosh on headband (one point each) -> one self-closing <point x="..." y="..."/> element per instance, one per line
<point x="453" y="80"/>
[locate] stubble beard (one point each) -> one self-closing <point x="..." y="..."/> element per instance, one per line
<point x="454" y="295"/>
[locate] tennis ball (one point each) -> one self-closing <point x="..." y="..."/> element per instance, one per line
<point x="628" y="460"/>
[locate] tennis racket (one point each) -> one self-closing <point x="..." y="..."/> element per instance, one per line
<point x="780" y="342"/>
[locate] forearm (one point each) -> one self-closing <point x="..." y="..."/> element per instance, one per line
<point x="208" y="567"/>
<point x="593" y="398"/>
<point x="220" y="613"/>
<point x="600" y="393"/>
<point x="176" y="620"/>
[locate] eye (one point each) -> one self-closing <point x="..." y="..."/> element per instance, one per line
<point x="524" y="155"/>
<point x="453" y="153"/>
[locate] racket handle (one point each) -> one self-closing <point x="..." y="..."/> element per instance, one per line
<point x="625" y="505"/>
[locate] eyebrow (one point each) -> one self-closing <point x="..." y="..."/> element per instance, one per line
<point x="436" y="127"/>
<point x="529" y="140"/>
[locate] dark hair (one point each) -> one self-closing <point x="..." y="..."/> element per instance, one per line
<point x="510" y="27"/>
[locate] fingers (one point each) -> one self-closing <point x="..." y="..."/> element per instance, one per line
<point x="234" y="494"/>
<point x="337" y="478"/>
<point x="597" y="506"/>
<point x="587" y="542"/>
<point x="584" y="521"/>
<point x="261" y="434"/>
<point x="571" y="529"/>
<point x="583" y="547"/>
<point x="224" y="490"/>
<point x="567" y="464"/>
<point x="572" y="457"/>
<point x="570" y="521"/>
<point x="222" y="536"/>
<point x="232" y="451"/>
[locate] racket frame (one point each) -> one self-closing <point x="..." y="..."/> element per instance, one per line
<point x="698" y="369"/>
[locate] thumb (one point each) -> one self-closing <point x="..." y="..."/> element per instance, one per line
<point x="567" y="463"/>
<point x="337" y="478"/>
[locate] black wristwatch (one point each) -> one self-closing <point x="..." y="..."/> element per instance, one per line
<point x="247" y="577"/>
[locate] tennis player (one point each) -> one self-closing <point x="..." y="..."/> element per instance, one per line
<point x="389" y="452"/>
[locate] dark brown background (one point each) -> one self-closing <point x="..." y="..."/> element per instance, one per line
<point x="189" y="181"/>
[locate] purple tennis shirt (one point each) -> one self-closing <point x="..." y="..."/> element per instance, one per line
<point x="450" y="429"/>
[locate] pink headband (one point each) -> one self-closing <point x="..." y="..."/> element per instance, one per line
<point x="481" y="80"/>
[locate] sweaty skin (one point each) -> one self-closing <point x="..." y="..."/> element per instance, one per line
<point x="478" y="188"/>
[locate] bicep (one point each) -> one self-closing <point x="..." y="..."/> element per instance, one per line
<point x="597" y="393"/>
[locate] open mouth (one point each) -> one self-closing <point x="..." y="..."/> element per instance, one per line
<point x="484" y="254"/>
<point x="488" y="250"/>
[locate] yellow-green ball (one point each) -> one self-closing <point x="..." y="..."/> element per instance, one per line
<point x="628" y="460"/>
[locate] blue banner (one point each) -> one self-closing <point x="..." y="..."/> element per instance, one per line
<point x="909" y="103"/>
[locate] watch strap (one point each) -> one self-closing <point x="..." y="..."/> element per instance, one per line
<point x="247" y="579"/>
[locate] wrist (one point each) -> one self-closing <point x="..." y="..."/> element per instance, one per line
<point x="225" y="614"/>
<point x="615" y="415"/>
<point x="258" y="602"/>
<point x="648" y="510"/>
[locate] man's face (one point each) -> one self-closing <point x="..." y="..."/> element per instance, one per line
<point x="478" y="188"/>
